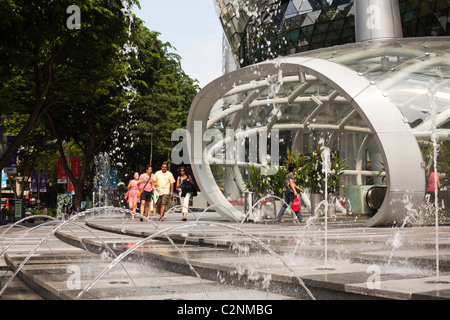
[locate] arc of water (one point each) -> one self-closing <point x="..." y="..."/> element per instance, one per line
<point x="179" y="250"/>
<point x="266" y="197"/>
<point x="143" y="241"/>
<point x="246" y="215"/>
<point x="394" y="246"/>
<point x="209" y="207"/>
<point x="173" y="208"/>
<point x="189" y="211"/>
<point x="61" y="224"/>
<point x="16" y="224"/>
<point x="326" y="164"/>
<point x="432" y="90"/>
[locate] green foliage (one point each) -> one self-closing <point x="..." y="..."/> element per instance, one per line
<point x="64" y="86"/>
<point x="256" y="181"/>
<point x="380" y="174"/>
<point x="165" y="94"/>
<point x="50" y="212"/>
<point x="316" y="175"/>
<point x="276" y="181"/>
<point x="43" y="64"/>
<point x="308" y="173"/>
<point x="301" y="165"/>
<point x="443" y="158"/>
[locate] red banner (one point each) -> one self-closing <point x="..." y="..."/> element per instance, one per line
<point x="62" y="176"/>
<point x="75" y="164"/>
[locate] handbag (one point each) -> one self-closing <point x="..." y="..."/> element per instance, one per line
<point x="296" y="205"/>
<point x="287" y="185"/>
<point x="142" y="189"/>
<point x="188" y="187"/>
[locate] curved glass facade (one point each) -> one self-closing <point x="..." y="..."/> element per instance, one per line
<point x="404" y="70"/>
<point x="374" y="103"/>
<point x="369" y="102"/>
<point x="258" y="30"/>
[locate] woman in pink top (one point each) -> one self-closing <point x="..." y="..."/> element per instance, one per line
<point x="132" y="193"/>
<point x="146" y="183"/>
<point x="432" y="181"/>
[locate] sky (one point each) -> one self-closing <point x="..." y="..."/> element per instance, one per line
<point x="193" y="28"/>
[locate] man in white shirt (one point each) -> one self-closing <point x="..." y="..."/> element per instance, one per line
<point x="164" y="181"/>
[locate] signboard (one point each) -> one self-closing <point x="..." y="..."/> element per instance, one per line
<point x="113" y="178"/>
<point x="38" y="182"/>
<point x="43" y="182"/>
<point x="11" y="166"/>
<point x="4" y="177"/>
<point x="18" y="209"/>
<point x="34" y="182"/>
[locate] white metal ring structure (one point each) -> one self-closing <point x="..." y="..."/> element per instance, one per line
<point x="306" y="78"/>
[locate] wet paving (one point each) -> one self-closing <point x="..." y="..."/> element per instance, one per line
<point x="206" y="258"/>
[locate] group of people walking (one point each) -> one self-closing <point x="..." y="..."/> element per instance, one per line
<point x="158" y="188"/>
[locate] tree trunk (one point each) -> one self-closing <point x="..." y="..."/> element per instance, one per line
<point x="20" y="138"/>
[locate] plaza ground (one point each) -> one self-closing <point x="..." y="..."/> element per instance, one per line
<point x="210" y="258"/>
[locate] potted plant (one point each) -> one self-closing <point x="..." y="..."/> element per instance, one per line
<point x="315" y="176"/>
<point x="300" y="175"/>
<point x="275" y="183"/>
<point x="334" y="179"/>
<point x="277" y="180"/>
<point x="257" y="184"/>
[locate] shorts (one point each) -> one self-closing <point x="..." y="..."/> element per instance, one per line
<point x="147" y="196"/>
<point x="430" y="196"/>
<point x="163" y="200"/>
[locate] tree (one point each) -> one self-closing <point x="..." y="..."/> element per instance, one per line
<point x="165" y="94"/>
<point x="73" y="81"/>
<point x="44" y="63"/>
<point x="37" y="153"/>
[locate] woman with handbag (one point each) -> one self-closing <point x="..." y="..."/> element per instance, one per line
<point x="131" y="195"/>
<point x="432" y="183"/>
<point x="145" y="191"/>
<point x="186" y="188"/>
<point x="290" y="194"/>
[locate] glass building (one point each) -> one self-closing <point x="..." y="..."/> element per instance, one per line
<point x="375" y="102"/>
<point x="258" y="30"/>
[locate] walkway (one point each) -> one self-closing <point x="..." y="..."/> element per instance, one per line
<point x="210" y="258"/>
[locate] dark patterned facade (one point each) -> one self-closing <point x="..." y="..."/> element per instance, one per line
<point x="258" y="30"/>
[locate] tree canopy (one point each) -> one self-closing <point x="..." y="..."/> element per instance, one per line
<point x="74" y="84"/>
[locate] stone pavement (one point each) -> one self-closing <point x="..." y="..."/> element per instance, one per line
<point x="208" y="258"/>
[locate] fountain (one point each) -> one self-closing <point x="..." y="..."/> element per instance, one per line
<point x="434" y="113"/>
<point x="220" y="257"/>
<point x="326" y="165"/>
<point x="102" y="179"/>
<point x="261" y="256"/>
